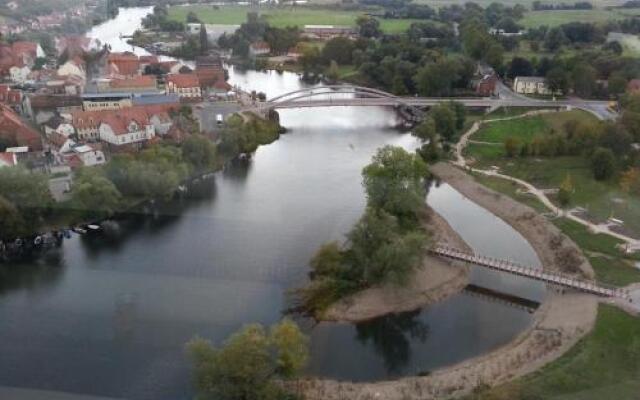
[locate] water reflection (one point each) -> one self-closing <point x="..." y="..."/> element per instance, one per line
<point x="392" y="337"/>
<point x="38" y="274"/>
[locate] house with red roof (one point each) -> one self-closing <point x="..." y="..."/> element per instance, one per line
<point x="11" y="97"/>
<point x="8" y="159"/>
<point x="124" y="64"/>
<point x="185" y="85"/>
<point x="18" y="132"/>
<point x="134" y="84"/>
<point x="126" y="127"/>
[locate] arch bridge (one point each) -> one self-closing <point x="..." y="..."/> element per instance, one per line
<point x="412" y="108"/>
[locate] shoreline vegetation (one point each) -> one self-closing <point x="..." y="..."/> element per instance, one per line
<point x="433" y="281"/>
<point x="124" y="184"/>
<point x="560" y="322"/>
<point x="384" y="248"/>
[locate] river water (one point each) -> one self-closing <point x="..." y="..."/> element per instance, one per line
<point x="109" y="315"/>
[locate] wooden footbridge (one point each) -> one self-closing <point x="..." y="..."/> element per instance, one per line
<point x="558" y="279"/>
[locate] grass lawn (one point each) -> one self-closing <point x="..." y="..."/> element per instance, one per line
<point x="603" y="365"/>
<point x="552" y="18"/>
<point x="526" y="129"/>
<point x="505" y="112"/>
<point x="282" y="17"/>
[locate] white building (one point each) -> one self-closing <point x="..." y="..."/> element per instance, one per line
<point x="531" y="85"/>
<point x="89" y="156"/>
<point x="121" y="130"/>
<point x="185" y="85"/>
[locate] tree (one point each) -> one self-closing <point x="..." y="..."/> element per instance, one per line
<point x="11" y="222"/>
<point x="603" y="163"/>
<point x="394" y="182"/>
<point x="557" y="80"/>
<point x="445" y="120"/>
<point x="333" y="72"/>
<point x="200" y="152"/>
<point x="617" y="83"/>
<point x="94" y="194"/>
<point x="555" y="39"/>
<point x="28" y="192"/>
<point x="204" y="40"/>
<point x="192" y="18"/>
<point x="584" y="79"/>
<point x="247" y="363"/>
<point x="519" y="67"/>
<point x="327" y="261"/>
<point x="291" y="347"/>
<point x="630" y="181"/>
<point x="495" y="55"/>
<point x="460" y="112"/>
<point x="426" y="130"/>
<point x="368" y="26"/>
<point x="339" y="49"/>
<point x="565" y="191"/>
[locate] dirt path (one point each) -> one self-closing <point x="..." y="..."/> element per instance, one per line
<point x="630" y="243"/>
<point x="558" y="324"/>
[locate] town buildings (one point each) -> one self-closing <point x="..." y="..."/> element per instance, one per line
<point x="187" y="86"/>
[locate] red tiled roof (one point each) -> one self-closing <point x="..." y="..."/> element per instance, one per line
<point x="126" y="63"/>
<point x="16" y="130"/>
<point x="8" y="158"/>
<point x="184" y="80"/>
<point x="141" y="81"/>
<point x="30" y="48"/>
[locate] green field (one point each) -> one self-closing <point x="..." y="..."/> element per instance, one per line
<point x="534" y="19"/>
<point x="602" y="199"/>
<point x="282" y="17"/>
<point x="603" y="365"/>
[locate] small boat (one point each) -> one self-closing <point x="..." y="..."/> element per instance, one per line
<point x="38" y="240"/>
<point x="93" y="227"/>
<point x="79" y="230"/>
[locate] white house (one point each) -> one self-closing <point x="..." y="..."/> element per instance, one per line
<point x="531" y="85"/>
<point x="121" y="130"/>
<point x="89" y="156"/>
<point x="74" y="68"/>
<point x="161" y="123"/>
<point x="185" y="85"/>
<point x="19" y="74"/>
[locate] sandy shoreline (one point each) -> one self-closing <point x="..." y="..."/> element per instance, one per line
<point x="558" y="324"/>
<point x="436" y="280"/>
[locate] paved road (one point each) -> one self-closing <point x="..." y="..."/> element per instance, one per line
<point x="207" y="112"/>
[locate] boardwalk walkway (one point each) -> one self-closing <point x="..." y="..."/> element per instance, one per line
<point x="532" y="273"/>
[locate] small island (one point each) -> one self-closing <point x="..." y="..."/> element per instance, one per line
<point x="384" y="266"/>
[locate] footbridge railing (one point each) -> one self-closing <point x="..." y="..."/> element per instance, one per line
<point x="510" y="267"/>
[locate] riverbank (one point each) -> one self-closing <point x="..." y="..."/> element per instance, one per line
<point x="559" y="323"/>
<point x="434" y="281"/>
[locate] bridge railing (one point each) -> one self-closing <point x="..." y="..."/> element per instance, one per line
<point x="557" y="278"/>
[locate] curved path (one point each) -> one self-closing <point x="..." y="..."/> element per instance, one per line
<point x="631" y="244"/>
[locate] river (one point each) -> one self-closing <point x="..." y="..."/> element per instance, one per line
<point x="109" y="315"/>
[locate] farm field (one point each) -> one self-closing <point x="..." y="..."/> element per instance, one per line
<point x="282" y="17"/>
<point x="558" y="17"/>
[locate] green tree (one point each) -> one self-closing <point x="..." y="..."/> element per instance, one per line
<point x="200" y="152"/>
<point x="445" y="120"/>
<point x="339" y="49"/>
<point x="584" y="79"/>
<point x="327" y="261"/>
<point x="557" y="80"/>
<point x="192" y="18"/>
<point x="565" y="191"/>
<point x="426" y="130"/>
<point x="204" y="40"/>
<point x="555" y="39"/>
<point x="368" y="26"/>
<point x="291" y="347"/>
<point x="394" y="182"/>
<point x="247" y="363"/>
<point x="94" y="194"/>
<point x="11" y="222"/>
<point x="333" y="72"/>
<point x="603" y="163"/>
<point x="495" y="56"/>
<point x="617" y="83"/>
<point x="28" y="192"/>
